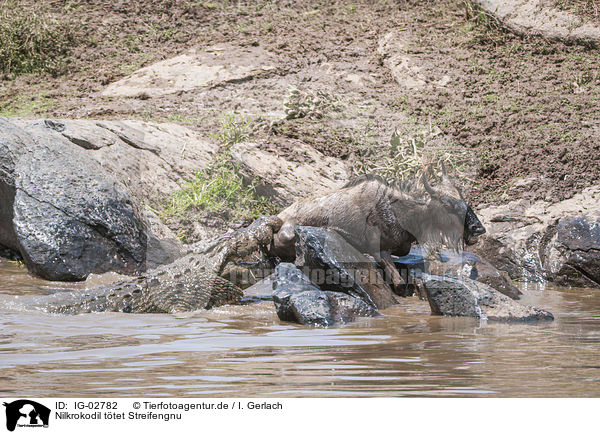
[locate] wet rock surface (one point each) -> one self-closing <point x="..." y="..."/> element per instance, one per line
<point x="465" y="265"/>
<point x="297" y="299"/>
<point x="573" y="254"/>
<point x="334" y="265"/>
<point x="208" y="277"/>
<point x="450" y="296"/>
<point x="558" y="242"/>
<point x="469" y="266"/>
<point x="66" y="215"/>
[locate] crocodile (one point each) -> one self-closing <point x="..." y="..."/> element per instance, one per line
<point x="212" y="274"/>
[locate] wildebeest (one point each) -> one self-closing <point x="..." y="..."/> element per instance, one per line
<point x="384" y="218"/>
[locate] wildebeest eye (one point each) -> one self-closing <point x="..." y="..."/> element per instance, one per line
<point x="457" y="207"/>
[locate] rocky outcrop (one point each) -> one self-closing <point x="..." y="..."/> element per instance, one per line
<point x="330" y="283"/>
<point x="558" y="242"/>
<point x="297" y="299"/>
<point x="334" y="265"/>
<point x="285" y="180"/>
<point x="450" y="296"/>
<point x="150" y="159"/>
<point x="532" y="17"/>
<point x="65" y="213"/>
<point x="572" y="255"/>
<point x="213" y="66"/>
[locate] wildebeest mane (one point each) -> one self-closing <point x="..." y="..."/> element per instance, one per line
<point x="408" y="186"/>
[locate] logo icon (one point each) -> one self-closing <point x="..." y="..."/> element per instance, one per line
<point x="26" y="413"/>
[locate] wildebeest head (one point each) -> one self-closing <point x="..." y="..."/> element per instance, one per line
<point x="454" y="216"/>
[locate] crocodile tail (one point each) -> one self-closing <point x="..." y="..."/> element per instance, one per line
<point x="223" y="292"/>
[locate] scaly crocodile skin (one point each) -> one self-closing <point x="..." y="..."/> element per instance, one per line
<point x="198" y="280"/>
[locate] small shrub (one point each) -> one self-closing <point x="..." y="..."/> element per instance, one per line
<point x="405" y="157"/>
<point x="32" y="39"/>
<point x="304" y="103"/>
<point x="485" y="28"/>
<point x="219" y="188"/>
<point x="234" y="129"/>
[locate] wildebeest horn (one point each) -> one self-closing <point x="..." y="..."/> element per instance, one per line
<point x="427" y="186"/>
<point x="445" y="177"/>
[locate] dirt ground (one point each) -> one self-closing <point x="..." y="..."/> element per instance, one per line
<point x="519" y="118"/>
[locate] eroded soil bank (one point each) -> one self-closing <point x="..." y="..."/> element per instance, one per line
<point x="519" y="117"/>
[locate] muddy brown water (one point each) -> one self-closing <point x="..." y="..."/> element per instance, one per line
<point x="246" y="351"/>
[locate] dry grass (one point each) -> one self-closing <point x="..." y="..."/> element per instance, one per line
<point x="33" y="39"/>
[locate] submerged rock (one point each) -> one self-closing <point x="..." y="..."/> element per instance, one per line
<point x="298" y="300"/>
<point x="470" y="266"/>
<point x="460" y="264"/>
<point x="451" y="296"/>
<point x="334" y="265"/>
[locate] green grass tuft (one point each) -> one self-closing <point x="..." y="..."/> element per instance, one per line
<point x="234" y="129"/>
<point x="219" y="188"/>
<point x="32" y="40"/>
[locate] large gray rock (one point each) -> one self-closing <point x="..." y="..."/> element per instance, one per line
<point x="465" y="265"/>
<point x="298" y="300"/>
<point x="451" y="296"/>
<point x="334" y="265"/>
<point x="558" y="242"/>
<point x="65" y="214"/>
<point x="572" y="256"/>
<point x="532" y="17"/>
<point x="150" y="159"/>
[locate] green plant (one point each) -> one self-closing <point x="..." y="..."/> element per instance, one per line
<point x="234" y="129"/>
<point x="27" y="105"/>
<point x="305" y="103"/>
<point x="219" y="188"/>
<point x="403" y="157"/>
<point x="181" y="119"/>
<point x="32" y="39"/>
<point x="208" y="5"/>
